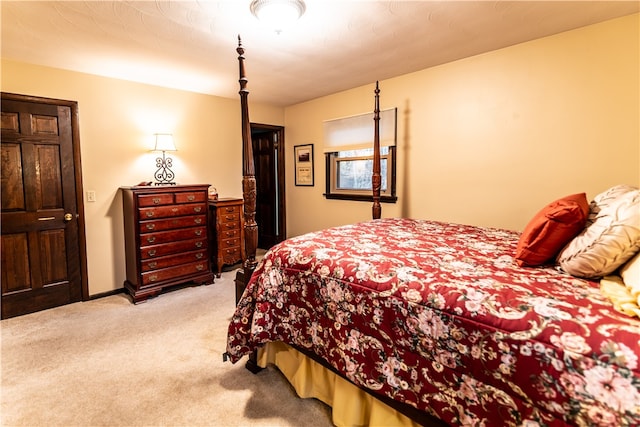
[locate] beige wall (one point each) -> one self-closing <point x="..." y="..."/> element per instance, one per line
<point x="117" y="123"/>
<point x="490" y="139"/>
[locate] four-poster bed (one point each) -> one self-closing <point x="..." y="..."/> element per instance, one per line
<point x="439" y="321"/>
<point x="248" y="183"/>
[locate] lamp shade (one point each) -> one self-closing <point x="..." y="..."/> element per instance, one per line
<point x="164" y="142"/>
<point x="277" y="14"/>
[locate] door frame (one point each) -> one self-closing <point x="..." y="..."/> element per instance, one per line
<point x="75" y="142"/>
<point x="279" y="130"/>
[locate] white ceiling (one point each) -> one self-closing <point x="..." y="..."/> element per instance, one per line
<point x="336" y="45"/>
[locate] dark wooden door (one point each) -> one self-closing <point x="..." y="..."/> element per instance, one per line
<point x="268" y="149"/>
<point x="42" y="244"/>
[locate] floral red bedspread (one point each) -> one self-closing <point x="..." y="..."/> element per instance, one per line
<point x="440" y="316"/>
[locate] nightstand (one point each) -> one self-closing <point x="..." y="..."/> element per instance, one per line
<point x="226" y="225"/>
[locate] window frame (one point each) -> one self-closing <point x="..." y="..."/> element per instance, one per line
<point x="331" y="192"/>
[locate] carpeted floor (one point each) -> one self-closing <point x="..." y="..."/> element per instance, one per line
<point x="108" y="362"/>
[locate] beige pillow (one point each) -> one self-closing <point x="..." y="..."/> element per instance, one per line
<point x="630" y="273"/>
<point x="614" y="288"/>
<point x="624" y="290"/>
<point x="610" y="238"/>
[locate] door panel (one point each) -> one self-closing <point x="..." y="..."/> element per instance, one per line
<point x="12" y="177"/>
<point x="15" y="263"/>
<point x="48" y="177"/>
<point x="53" y="262"/>
<point x="42" y="250"/>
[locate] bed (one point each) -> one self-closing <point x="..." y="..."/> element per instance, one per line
<point x="410" y="321"/>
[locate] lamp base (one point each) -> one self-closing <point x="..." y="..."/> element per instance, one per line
<point x="164" y="174"/>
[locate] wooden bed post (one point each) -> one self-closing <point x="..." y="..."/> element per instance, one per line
<point x="375" y="177"/>
<point x="248" y="185"/>
<point x="249" y="195"/>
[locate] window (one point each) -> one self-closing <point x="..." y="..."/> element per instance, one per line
<point x="349" y="157"/>
<point x="349" y="174"/>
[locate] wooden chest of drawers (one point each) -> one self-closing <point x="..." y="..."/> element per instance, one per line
<point x="166" y="238"/>
<point x="227" y="232"/>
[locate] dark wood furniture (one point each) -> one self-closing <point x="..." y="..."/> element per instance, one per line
<point x="166" y="238"/>
<point x="248" y="184"/>
<point x="226" y="228"/>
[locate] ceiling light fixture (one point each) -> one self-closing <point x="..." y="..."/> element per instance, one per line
<point x="278" y="14"/>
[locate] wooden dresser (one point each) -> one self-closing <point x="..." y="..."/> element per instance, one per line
<point x="227" y="232"/>
<point x="166" y="238"/>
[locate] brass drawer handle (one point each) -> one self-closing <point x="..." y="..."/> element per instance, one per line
<point x="153" y="278"/>
<point x="199" y="256"/>
<point x="151" y="239"/>
<point x="151" y="226"/>
<point x="198" y="232"/>
<point x="198" y="220"/>
<point x="197" y="209"/>
<point x="191" y="198"/>
<point x="199" y="267"/>
<point x="153" y="264"/>
<point x="230" y="209"/>
<point x="156" y="200"/>
<point x="152" y="252"/>
<point x="199" y="244"/>
<point x="150" y="213"/>
<point x="174" y="210"/>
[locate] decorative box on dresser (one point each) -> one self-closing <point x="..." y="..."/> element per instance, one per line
<point x="166" y="238"/>
<point x="227" y="232"/>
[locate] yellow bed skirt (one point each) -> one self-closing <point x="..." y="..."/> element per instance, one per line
<point x="350" y="405"/>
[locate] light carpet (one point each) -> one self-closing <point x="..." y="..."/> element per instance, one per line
<point x="107" y="362"/>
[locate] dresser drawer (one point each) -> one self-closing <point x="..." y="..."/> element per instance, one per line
<point x="230" y="234"/>
<point x="231" y="255"/>
<point x="168" y="224"/>
<point x="229" y="243"/>
<point x="172" y="248"/>
<point x="152" y="277"/>
<point x="172" y="260"/>
<point x="172" y="236"/>
<point x="229" y="218"/>
<point x="229" y="210"/>
<point x="175" y="210"/>
<point x="229" y="226"/>
<point x="145" y="200"/>
<point x="192" y="197"/>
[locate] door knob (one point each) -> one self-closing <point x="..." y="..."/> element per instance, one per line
<point x="68" y="217"/>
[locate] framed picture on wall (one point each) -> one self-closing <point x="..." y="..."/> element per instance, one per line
<point x="303" y="164"/>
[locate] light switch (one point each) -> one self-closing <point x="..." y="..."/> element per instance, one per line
<point x="91" y="196"/>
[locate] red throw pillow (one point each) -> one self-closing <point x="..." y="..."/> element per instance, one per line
<point x="551" y="229"/>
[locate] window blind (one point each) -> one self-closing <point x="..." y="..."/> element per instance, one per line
<point x="356" y="132"/>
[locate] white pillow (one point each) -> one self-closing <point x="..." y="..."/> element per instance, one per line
<point x="610" y="238"/>
<point x="630" y="273"/>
